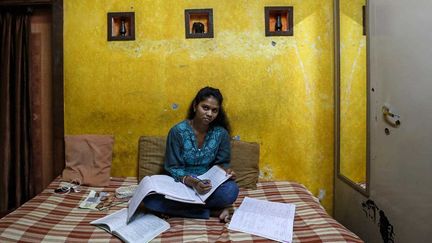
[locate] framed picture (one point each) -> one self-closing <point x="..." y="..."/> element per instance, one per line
<point x="279" y="21"/>
<point x="121" y="26"/>
<point x="199" y="23"/>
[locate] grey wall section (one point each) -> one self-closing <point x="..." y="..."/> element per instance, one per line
<point x="401" y="162"/>
<point x="401" y="72"/>
<point x="349" y="212"/>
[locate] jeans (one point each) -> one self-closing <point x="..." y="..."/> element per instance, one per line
<point x="223" y="196"/>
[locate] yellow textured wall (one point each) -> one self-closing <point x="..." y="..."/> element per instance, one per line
<point x="353" y="91"/>
<point x="278" y="90"/>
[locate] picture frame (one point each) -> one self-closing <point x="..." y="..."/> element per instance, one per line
<point x="279" y="21"/>
<point x="121" y="26"/>
<point x="199" y="23"/>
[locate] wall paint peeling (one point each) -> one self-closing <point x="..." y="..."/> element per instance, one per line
<point x="278" y="90"/>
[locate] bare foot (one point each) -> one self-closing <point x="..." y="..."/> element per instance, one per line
<point x="225" y="215"/>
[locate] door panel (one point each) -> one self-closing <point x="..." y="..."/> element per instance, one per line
<point x="41" y="96"/>
<point x="401" y="157"/>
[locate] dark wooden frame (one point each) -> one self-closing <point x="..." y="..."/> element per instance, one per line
<point x="29" y="3"/>
<point x="337" y="117"/>
<point x="208" y="13"/>
<point x="283" y="10"/>
<point x="57" y="74"/>
<point x="130" y="17"/>
<point x="58" y="86"/>
<point x="364" y="19"/>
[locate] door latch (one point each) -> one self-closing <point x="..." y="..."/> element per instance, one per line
<point x="391" y="118"/>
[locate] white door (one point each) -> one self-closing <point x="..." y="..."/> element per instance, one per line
<point x="400" y="41"/>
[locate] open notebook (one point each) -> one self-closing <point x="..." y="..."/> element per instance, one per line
<point x="173" y="190"/>
<point x="143" y="228"/>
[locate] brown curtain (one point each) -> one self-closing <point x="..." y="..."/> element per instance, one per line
<point x="15" y="139"/>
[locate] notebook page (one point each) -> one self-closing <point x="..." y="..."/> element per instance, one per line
<point x="144" y="188"/>
<point x="217" y="176"/>
<point x="271" y="220"/>
<point x="113" y="221"/>
<point x="143" y="228"/>
<point x="168" y="186"/>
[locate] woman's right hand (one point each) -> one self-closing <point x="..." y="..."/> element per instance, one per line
<point x="203" y="186"/>
<point x="200" y="186"/>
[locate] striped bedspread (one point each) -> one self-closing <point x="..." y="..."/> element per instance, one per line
<point x="56" y="218"/>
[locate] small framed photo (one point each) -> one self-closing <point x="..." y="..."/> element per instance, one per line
<point x="279" y="21"/>
<point x="199" y="23"/>
<point x="121" y="26"/>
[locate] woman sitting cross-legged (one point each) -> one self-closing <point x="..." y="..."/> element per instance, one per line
<point x="193" y="147"/>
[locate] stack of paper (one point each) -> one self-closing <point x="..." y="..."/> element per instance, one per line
<point x="271" y="220"/>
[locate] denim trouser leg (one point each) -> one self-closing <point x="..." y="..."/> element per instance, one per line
<point x="223" y="196"/>
<point x="158" y="203"/>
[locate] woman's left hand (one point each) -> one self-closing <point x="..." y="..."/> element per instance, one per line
<point x="229" y="171"/>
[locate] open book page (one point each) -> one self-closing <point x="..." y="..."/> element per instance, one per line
<point x="144" y="227"/>
<point x="173" y="190"/>
<point x="271" y="220"/>
<point x="144" y="188"/>
<point x="168" y="186"/>
<point x="217" y="176"/>
<point x="112" y="221"/>
<point x="161" y="184"/>
<point x="197" y="199"/>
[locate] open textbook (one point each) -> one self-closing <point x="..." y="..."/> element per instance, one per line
<point x="271" y="220"/>
<point x="173" y="190"/>
<point x="143" y="228"/>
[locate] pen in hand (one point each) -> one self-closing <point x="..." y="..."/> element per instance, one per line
<point x="205" y="181"/>
<point x="202" y="186"/>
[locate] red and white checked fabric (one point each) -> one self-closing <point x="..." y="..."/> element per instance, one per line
<point x="56" y="218"/>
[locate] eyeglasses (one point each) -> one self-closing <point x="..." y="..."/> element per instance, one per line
<point x="108" y="201"/>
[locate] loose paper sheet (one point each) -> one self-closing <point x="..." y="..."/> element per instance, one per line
<point x="271" y="220"/>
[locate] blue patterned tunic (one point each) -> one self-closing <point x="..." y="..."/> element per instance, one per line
<point x="183" y="157"/>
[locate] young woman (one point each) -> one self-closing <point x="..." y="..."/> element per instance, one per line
<point x="193" y="147"/>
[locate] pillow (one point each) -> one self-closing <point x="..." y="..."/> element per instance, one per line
<point x="244" y="159"/>
<point x="151" y="154"/>
<point x="244" y="162"/>
<point x="88" y="159"/>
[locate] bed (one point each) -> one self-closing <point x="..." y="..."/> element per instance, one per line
<point x="51" y="217"/>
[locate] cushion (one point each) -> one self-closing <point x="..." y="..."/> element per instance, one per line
<point x="244" y="162"/>
<point x="88" y="159"/>
<point x="244" y="159"/>
<point x="151" y="154"/>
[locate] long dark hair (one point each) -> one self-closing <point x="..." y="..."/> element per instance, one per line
<point x="204" y="93"/>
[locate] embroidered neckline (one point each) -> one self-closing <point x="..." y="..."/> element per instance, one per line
<point x="194" y="136"/>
